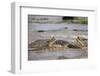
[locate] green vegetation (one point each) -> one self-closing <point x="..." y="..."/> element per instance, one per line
<point x="83" y="21"/>
<point x="76" y="20"/>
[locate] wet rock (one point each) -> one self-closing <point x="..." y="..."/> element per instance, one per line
<point x="79" y="30"/>
<point x="75" y="30"/>
<point x="66" y="28"/>
<point x="41" y="31"/>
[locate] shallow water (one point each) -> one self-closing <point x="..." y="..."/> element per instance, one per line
<point x="58" y="31"/>
<point x="46" y="27"/>
<point x="53" y="55"/>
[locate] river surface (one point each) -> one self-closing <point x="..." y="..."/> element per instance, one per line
<point x="53" y="55"/>
<point x="46" y="27"/>
<point x="63" y="31"/>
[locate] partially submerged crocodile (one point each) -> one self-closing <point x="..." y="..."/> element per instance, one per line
<point x="38" y="44"/>
<point x="53" y="44"/>
<point x="47" y="44"/>
<point x="79" y="43"/>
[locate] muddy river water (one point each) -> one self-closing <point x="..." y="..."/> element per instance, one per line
<point x="67" y="32"/>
